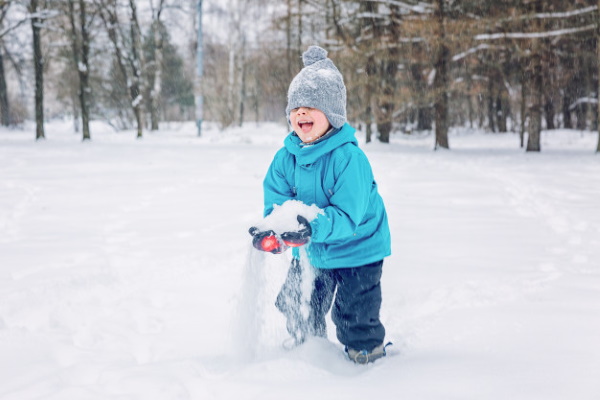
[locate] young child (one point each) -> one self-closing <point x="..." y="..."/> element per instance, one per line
<point x="346" y="242"/>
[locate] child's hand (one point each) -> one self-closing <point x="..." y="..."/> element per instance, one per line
<point x="299" y="237"/>
<point x="267" y="241"/>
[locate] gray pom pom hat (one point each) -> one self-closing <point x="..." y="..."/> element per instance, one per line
<point x="319" y="85"/>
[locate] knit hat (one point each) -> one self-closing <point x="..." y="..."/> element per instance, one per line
<point x="319" y="85"/>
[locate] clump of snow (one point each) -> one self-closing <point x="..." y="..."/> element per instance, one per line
<point x="253" y="325"/>
<point x="284" y="218"/>
<point x="307" y="282"/>
<point x="248" y="317"/>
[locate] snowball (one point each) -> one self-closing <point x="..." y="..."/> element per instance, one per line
<point x="284" y="217"/>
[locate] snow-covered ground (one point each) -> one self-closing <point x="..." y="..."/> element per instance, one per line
<point x="126" y="270"/>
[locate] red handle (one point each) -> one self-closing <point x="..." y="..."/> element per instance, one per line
<point x="270" y="243"/>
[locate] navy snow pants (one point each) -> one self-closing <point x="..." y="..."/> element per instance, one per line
<point x="355" y="311"/>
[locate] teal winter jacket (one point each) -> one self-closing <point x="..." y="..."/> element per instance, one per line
<point x="334" y="174"/>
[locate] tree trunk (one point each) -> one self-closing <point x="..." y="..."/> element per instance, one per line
<point x="385" y="108"/>
<point x="38" y="62"/>
<point x="81" y="48"/>
<point x="4" y="106"/>
<point x="229" y="117"/>
<point x="158" y="61"/>
<point x="242" y="75"/>
<point x="74" y="100"/>
<point x="502" y="110"/>
<point x="288" y="40"/>
<point x="300" y="47"/>
<point x="368" y="124"/>
<point x="535" y="123"/>
<point x="371" y="72"/>
<point x="137" y="65"/>
<point x="581" y="113"/>
<point x="423" y="108"/>
<point x="490" y="104"/>
<point x="566" y="111"/>
<point x="84" y="72"/>
<point x="499" y="114"/>
<point x="4" y="103"/>
<point x="535" y="110"/>
<point x="469" y="98"/>
<point x="598" y="91"/>
<point x="548" y="71"/>
<point x="480" y="111"/>
<point x="198" y="86"/>
<point x="384" y="129"/>
<point x="582" y="90"/>
<point x="549" y="113"/>
<point x="110" y="18"/>
<point x="523" y="110"/>
<point x="441" y="81"/>
<point x="129" y="62"/>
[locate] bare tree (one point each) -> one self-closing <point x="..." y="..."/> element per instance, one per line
<point x="80" y="43"/>
<point x="598" y="66"/>
<point x="4" y="104"/>
<point x="137" y="65"/>
<point x="8" y="27"/>
<point x="535" y="110"/>
<point x="38" y="62"/>
<point x="155" y="66"/>
<point x="127" y="50"/>
<point x="199" y="64"/>
<point x="370" y="30"/>
<point x="441" y="78"/>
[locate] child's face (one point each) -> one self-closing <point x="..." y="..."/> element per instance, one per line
<point x="309" y="123"/>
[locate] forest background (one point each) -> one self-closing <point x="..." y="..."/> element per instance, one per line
<point x="409" y="66"/>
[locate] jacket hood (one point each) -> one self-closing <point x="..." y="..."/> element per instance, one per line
<point x="309" y="153"/>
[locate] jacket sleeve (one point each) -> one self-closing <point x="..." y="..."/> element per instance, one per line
<point x="349" y="201"/>
<point x="276" y="186"/>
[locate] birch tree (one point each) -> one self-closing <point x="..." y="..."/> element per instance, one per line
<point x="137" y="65"/>
<point x="155" y="66"/>
<point x="127" y="50"/>
<point x="4" y="103"/>
<point x="199" y="61"/>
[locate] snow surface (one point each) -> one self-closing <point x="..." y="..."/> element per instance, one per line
<point x="126" y="270"/>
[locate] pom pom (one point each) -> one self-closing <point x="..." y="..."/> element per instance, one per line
<point x="313" y="54"/>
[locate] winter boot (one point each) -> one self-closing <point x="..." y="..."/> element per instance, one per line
<point x="364" y="356"/>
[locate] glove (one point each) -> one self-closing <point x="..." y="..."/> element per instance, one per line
<point x="299" y="237"/>
<point x="266" y="241"/>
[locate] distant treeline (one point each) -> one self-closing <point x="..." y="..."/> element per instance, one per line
<point x="504" y="66"/>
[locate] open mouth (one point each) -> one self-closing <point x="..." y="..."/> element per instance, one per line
<point x="305" y="126"/>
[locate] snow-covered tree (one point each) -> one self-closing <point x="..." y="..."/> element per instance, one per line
<point x="80" y="44"/>
<point x="126" y="40"/>
<point x="4" y="103"/>
<point x="156" y="63"/>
